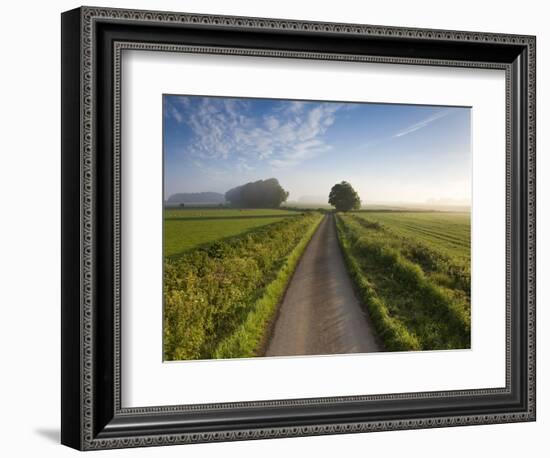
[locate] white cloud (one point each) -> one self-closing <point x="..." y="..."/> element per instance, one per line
<point x="271" y="122"/>
<point x="421" y="124"/>
<point x="229" y="129"/>
<point x="172" y="112"/>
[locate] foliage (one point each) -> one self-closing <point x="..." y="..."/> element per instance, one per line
<point x="228" y="287"/>
<point x="418" y="296"/>
<point x="258" y="194"/>
<point x="343" y="197"/>
<point x="250" y="336"/>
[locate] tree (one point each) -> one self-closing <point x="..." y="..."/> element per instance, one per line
<point x="258" y="194"/>
<point x="343" y="197"/>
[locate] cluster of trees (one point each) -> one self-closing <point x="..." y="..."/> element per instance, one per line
<point x="258" y="194"/>
<point x="269" y="194"/>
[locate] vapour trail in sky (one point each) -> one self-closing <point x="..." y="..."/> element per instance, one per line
<point x="388" y="152"/>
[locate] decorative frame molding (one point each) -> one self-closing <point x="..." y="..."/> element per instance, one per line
<point x="94" y="405"/>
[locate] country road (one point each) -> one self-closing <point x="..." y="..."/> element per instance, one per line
<point x="320" y="313"/>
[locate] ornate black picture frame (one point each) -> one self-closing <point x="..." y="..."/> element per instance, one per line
<point x="92" y="42"/>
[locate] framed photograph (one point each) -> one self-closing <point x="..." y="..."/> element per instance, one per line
<point x="276" y="228"/>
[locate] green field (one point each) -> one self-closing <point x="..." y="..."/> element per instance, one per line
<point x="412" y="270"/>
<point x="185" y="229"/>
<point x="446" y="232"/>
<point x="226" y="270"/>
<point x="222" y="289"/>
<point x="190" y="212"/>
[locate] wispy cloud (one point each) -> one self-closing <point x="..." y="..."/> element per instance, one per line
<point x="284" y="134"/>
<point x="424" y="123"/>
<point x="170" y="111"/>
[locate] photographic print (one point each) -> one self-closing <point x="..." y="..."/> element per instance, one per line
<point x="331" y="203"/>
<point x="303" y="227"/>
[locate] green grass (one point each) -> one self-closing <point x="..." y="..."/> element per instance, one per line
<point x="446" y="232"/>
<point x="249" y="337"/>
<point x="224" y="212"/>
<point x="412" y="271"/>
<point x="181" y="236"/>
<point x="185" y="229"/>
<point x="230" y="288"/>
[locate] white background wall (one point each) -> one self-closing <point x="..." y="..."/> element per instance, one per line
<point x="30" y="240"/>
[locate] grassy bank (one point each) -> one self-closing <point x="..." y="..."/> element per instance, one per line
<point x="445" y="232"/>
<point x="226" y="291"/>
<point x="247" y="338"/>
<point x="418" y="296"/>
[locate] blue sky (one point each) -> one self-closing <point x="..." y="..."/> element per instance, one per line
<point x="388" y="152"/>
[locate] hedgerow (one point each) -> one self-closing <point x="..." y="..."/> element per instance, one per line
<point x="230" y="288"/>
<point x="417" y="298"/>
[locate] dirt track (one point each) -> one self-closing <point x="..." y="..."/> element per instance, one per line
<point x="320" y="313"/>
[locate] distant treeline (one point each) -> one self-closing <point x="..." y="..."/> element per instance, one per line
<point x="258" y="194"/>
<point x="196" y="198"/>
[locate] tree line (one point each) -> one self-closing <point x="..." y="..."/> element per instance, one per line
<point x="270" y="194"/>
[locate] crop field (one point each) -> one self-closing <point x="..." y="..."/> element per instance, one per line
<point x="446" y="232"/>
<point x="412" y="271"/>
<point x="185" y="229"/>
<point x="222" y="289"/>
<point x="178" y="213"/>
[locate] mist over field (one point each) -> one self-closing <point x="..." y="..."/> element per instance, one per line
<point x="391" y="154"/>
<point x="314" y="228"/>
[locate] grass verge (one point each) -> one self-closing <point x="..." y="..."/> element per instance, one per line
<point x="247" y="339"/>
<point x="228" y="288"/>
<point x="393" y="333"/>
<point x="410" y="310"/>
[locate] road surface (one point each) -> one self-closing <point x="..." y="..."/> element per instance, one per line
<point x="320" y="313"/>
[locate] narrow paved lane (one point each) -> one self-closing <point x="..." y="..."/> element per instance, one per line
<point x="320" y="313"/>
